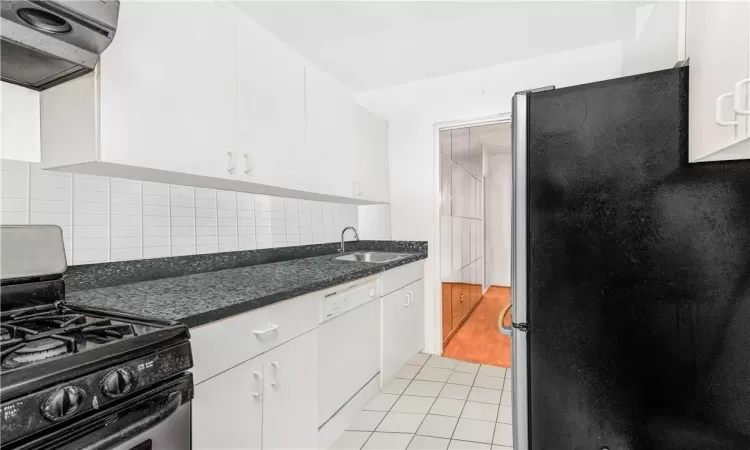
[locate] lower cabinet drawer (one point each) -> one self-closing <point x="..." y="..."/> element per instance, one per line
<point x="223" y="344"/>
<point x="394" y="279"/>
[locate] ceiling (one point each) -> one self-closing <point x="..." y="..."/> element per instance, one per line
<point x="371" y="45"/>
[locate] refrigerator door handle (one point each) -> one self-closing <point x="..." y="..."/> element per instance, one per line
<point x="505" y="331"/>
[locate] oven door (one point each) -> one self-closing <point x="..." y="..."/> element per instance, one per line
<point x="158" y="419"/>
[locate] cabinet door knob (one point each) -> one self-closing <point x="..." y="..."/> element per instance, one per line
<point x="230" y="162"/>
<point x="719" y="120"/>
<point x="248" y="163"/>
<point x="258" y="382"/>
<point x="276" y="367"/>
<point x="738" y="97"/>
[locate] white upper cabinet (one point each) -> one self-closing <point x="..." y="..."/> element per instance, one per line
<point x="270" y="107"/>
<point x="331" y="136"/>
<point x="718" y="43"/>
<point x="213" y="100"/>
<point x="371" y="156"/>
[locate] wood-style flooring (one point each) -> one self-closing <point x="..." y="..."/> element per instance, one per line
<point x="478" y="340"/>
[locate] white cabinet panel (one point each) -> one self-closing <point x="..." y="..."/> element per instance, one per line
<point x="371" y="156"/>
<point x="270" y="108"/>
<point x="168" y="88"/>
<point x="718" y="43"/>
<point x="329" y="156"/>
<point x="290" y="404"/>
<point x="228" y="409"/>
<point x="402" y="331"/>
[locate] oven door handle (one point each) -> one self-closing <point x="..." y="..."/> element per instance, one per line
<point x="174" y="402"/>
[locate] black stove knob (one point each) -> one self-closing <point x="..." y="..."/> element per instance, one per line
<point x="63" y="403"/>
<point x="118" y="382"/>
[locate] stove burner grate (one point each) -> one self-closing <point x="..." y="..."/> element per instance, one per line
<point x="33" y="335"/>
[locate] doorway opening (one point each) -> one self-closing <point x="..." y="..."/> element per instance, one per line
<point x="475" y="183"/>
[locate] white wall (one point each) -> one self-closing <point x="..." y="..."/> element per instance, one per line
<point x="20" y="135"/>
<point x="498" y="185"/>
<point x="414" y="109"/>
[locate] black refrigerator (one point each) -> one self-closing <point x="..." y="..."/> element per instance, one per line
<point x="631" y="273"/>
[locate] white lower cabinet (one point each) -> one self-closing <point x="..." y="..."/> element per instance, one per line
<point x="228" y="408"/>
<point x="290" y="394"/>
<point x="269" y="402"/>
<point x="402" y="327"/>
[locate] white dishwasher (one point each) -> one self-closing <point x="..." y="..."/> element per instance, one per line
<point x="349" y="342"/>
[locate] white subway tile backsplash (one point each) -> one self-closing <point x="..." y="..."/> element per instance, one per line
<point x="155" y="252"/>
<point x="151" y="189"/>
<point x="13" y="217"/>
<point x="113" y="219"/>
<point x="8" y="178"/>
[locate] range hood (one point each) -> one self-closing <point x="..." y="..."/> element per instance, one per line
<point x="44" y="43"/>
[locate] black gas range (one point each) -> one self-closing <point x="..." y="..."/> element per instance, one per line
<point x="73" y="377"/>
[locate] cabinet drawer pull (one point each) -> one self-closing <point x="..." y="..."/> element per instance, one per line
<point x="248" y="164"/>
<point x="258" y="382"/>
<point x="276" y="373"/>
<point x="230" y="162"/>
<point x="738" y="97"/>
<point x="406" y="295"/>
<point x="719" y="120"/>
<point x="410" y="294"/>
<point x="259" y="333"/>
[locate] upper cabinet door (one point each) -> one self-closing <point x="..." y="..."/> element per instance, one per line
<point x="270" y="107"/>
<point x="331" y="140"/>
<point x="168" y="84"/>
<point x="718" y="42"/>
<point x="371" y="156"/>
<point x="290" y="404"/>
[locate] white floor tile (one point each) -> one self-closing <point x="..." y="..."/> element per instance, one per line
<point x="508" y="385"/>
<point x="447" y="407"/>
<point x="480" y="411"/>
<point x="489" y="382"/>
<point x="467" y="379"/>
<point x="388" y="441"/>
<point x="419" y="359"/>
<point x="428" y="443"/>
<point x="396" y="422"/>
<point x="455" y="391"/>
<point x="492" y="371"/>
<point x="505" y="414"/>
<point x="508" y="374"/>
<point x="408" y="372"/>
<point x="442" y="363"/>
<point x="501" y="447"/>
<point x="351" y="440"/>
<point x="424" y="388"/>
<point x="433" y="374"/>
<point x="382" y="402"/>
<point x="396" y="386"/>
<point x="507" y="398"/>
<point x="484" y="395"/>
<point x="413" y="404"/>
<point x="474" y="430"/>
<point x="437" y="426"/>
<point x="367" y="421"/>
<point x="466" y="445"/>
<point x="467" y="367"/>
<point x="503" y="434"/>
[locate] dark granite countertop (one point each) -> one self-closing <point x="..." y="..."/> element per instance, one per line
<point x="201" y="298"/>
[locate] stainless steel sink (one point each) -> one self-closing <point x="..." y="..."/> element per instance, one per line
<point x="373" y="257"/>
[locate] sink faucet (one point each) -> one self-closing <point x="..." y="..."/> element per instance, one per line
<point x="343" y="232"/>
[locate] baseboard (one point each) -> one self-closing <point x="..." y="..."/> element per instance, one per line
<point x="339" y="422"/>
<point x="461" y="323"/>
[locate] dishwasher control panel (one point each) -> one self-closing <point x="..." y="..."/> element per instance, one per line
<point x="348" y="297"/>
